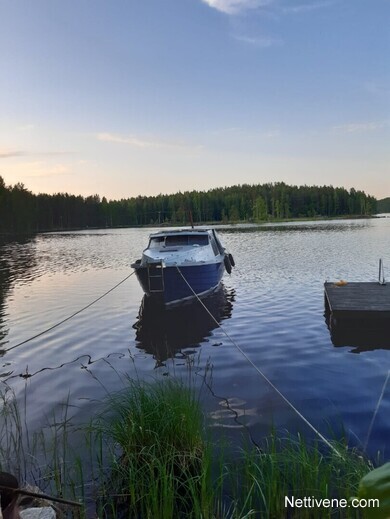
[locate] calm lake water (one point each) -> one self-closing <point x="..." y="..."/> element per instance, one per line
<point x="272" y="306"/>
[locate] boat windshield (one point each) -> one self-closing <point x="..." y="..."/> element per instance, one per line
<point x="179" y="240"/>
<point x="156" y="242"/>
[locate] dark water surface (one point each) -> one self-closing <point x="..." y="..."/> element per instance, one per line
<point x="272" y="306"/>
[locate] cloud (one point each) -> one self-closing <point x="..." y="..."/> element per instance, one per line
<point x="131" y="140"/>
<point x="138" y="142"/>
<point x="304" y="8"/>
<point x="359" y="127"/>
<point x="6" y="153"/>
<point x="261" y="42"/>
<point x="236" y="6"/>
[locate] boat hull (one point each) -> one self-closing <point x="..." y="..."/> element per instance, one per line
<point x="166" y="284"/>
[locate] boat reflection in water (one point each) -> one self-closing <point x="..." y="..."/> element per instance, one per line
<point x="163" y="332"/>
<point x="360" y="333"/>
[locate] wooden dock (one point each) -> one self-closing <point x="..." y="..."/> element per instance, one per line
<point x="358" y="300"/>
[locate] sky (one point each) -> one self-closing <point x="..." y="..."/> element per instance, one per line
<point x="140" y="97"/>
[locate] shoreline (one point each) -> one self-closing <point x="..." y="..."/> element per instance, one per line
<point x="258" y="223"/>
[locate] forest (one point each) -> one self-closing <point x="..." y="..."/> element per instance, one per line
<point x="383" y="206"/>
<point x="23" y="211"/>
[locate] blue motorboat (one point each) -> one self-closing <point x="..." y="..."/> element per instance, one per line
<point x="182" y="264"/>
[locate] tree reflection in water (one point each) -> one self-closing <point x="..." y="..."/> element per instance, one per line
<point x="17" y="263"/>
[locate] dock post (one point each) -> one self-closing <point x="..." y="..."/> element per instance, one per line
<point x="381" y="277"/>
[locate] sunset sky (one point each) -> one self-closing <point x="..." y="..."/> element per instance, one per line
<point x="140" y="97"/>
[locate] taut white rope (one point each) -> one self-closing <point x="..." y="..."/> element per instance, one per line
<point x="327" y="442"/>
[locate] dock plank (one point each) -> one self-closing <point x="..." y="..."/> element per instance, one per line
<point x="358" y="297"/>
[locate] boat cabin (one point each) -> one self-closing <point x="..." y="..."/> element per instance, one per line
<point x="175" y="240"/>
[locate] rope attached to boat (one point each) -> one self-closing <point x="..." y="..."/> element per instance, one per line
<point x="70" y="316"/>
<point x="317" y="432"/>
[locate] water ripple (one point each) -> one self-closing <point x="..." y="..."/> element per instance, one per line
<point x="273" y="307"/>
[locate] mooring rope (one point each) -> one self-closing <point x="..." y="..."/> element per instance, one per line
<point x="376" y="409"/>
<point x="317" y="432"/>
<point x="69" y="317"/>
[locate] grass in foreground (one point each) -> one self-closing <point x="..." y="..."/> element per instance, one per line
<point x="162" y="466"/>
<point x="151" y="458"/>
<point x="166" y="467"/>
<point x="291" y="467"/>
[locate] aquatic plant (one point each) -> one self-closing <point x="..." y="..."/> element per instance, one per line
<point x="291" y="466"/>
<point x="159" y="455"/>
<point x="148" y="454"/>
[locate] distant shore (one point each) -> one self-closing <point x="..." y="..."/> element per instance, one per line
<point x="202" y="224"/>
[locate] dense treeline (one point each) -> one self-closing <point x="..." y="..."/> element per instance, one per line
<point x="383" y="206"/>
<point x="21" y="210"/>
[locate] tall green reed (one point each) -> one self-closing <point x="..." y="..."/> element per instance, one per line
<point x="159" y="457"/>
<point x="149" y="455"/>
